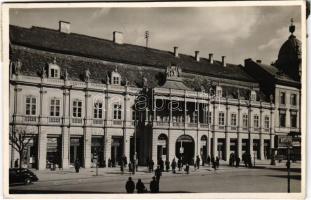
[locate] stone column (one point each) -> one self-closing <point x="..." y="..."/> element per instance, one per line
<point x="154" y="147"/>
<point x="239" y="143"/>
<point x="261" y="147"/>
<point x="87" y="134"/>
<point x="42" y="142"/>
<point x="108" y="141"/>
<point x="215" y="143"/>
<point x="65" y="131"/>
<point x="208" y="149"/>
<point x="227" y="142"/>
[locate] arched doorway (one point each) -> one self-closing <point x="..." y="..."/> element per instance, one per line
<point x="162" y="147"/>
<point x="203" y="147"/>
<point x="185" y="148"/>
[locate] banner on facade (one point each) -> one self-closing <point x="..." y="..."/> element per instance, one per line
<point x="284" y="141"/>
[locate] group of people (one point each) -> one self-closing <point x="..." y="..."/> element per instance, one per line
<point x="247" y="159"/>
<point x="234" y="160"/>
<point x="140" y="186"/>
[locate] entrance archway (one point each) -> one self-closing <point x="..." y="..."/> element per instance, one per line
<point x="185" y="148"/>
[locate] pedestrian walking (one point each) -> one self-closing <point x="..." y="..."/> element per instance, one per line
<point x="217" y="162"/>
<point x="179" y="164"/>
<point x="173" y="166"/>
<point x="130" y="167"/>
<point x="122" y="166"/>
<point x="140" y="187"/>
<point x="77" y="165"/>
<point x="208" y="160"/>
<point x="130" y="185"/>
<point x="237" y="162"/>
<point x="167" y="165"/>
<point x="198" y="161"/>
<point x="187" y="168"/>
<point x="151" y="165"/>
<point x="109" y="163"/>
<point x="158" y="173"/>
<point x="161" y="163"/>
<point x="136" y="165"/>
<point x="154" y="185"/>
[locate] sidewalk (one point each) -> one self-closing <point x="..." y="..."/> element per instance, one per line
<point x="115" y="173"/>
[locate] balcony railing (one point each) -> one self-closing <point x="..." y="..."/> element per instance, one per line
<point x="256" y="129"/>
<point x="117" y="122"/>
<point x="178" y="124"/>
<point x="76" y="120"/>
<point x="55" y="120"/>
<point x="30" y="118"/>
<point x="204" y="125"/>
<point x="233" y="128"/>
<point x="98" y="121"/>
<point x="192" y="125"/>
<point x="221" y="127"/>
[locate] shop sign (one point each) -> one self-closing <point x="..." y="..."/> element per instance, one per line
<point x="284" y="141"/>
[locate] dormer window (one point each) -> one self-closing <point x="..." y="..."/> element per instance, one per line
<point x="54" y="70"/>
<point x="116" y="80"/>
<point x="253" y="96"/>
<point x="115" y="77"/>
<point x="218" y="91"/>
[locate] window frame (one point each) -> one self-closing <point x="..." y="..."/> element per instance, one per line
<point x="267" y="122"/>
<point x="77" y="107"/>
<point x="98" y="111"/>
<point x="256" y="121"/>
<point x="117" y="111"/>
<point x="293" y="101"/>
<point x="245" y="121"/>
<point x="32" y="105"/>
<point x="54" y="106"/>
<point x="233" y="119"/>
<point x="221" y="118"/>
<point x="282" y="98"/>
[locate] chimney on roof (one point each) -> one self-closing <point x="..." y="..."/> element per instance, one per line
<point x="118" y="37"/>
<point x="210" y="58"/>
<point x="197" y="56"/>
<point x="223" y="63"/>
<point x="258" y="61"/>
<point x="64" y="27"/>
<point x="176" y="51"/>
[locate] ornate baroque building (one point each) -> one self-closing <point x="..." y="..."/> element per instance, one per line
<point x="77" y="96"/>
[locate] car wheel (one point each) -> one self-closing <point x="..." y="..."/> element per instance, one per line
<point x="27" y="181"/>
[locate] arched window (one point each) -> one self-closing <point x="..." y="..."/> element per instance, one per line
<point x="203" y="138"/>
<point x="162" y="137"/>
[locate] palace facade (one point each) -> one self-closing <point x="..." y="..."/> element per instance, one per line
<point x="86" y="98"/>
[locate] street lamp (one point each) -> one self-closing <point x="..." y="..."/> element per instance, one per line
<point x="249" y="156"/>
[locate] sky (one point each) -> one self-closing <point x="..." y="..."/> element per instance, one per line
<point x="235" y="32"/>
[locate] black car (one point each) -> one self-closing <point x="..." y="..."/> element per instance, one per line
<point x="22" y="175"/>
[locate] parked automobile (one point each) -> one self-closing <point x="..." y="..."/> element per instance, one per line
<point x="21" y="175"/>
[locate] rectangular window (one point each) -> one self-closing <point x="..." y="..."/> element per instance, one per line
<point x="54" y="107"/>
<point x="267" y="122"/>
<point x="31" y="105"/>
<point x="245" y="121"/>
<point x="282" y="98"/>
<point x="293" y="120"/>
<point x="233" y="119"/>
<point x="293" y="99"/>
<point x="116" y="80"/>
<point x="77" y="108"/>
<point x="98" y="110"/>
<point x="54" y="73"/>
<point x="282" y="119"/>
<point x="117" y="111"/>
<point x="210" y="117"/>
<point x="221" y="119"/>
<point x="256" y="121"/>
<point x="135" y="116"/>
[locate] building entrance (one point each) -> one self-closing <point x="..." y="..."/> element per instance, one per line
<point x="116" y="150"/>
<point x="185" y="148"/>
<point x="76" y="150"/>
<point x="53" y="152"/>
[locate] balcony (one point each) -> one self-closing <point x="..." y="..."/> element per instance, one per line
<point x="98" y="121"/>
<point x="256" y="129"/>
<point x="192" y="125"/>
<point x="266" y="130"/>
<point x="221" y="127"/>
<point x="117" y="122"/>
<point x="31" y="119"/>
<point x="54" y="120"/>
<point x="204" y="125"/>
<point x="178" y="124"/>
<point x="233" y="128"/>
<point x="76" y="120"/>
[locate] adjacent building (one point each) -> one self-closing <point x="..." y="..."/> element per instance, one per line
<point x="92" y="99"/>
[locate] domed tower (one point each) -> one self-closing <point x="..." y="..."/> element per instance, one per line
<point x="289" y="58"/>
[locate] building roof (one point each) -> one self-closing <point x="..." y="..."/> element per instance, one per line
<point x="102" y="49"/>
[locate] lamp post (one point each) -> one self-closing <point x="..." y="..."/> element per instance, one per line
<point x="249" y="156"/>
